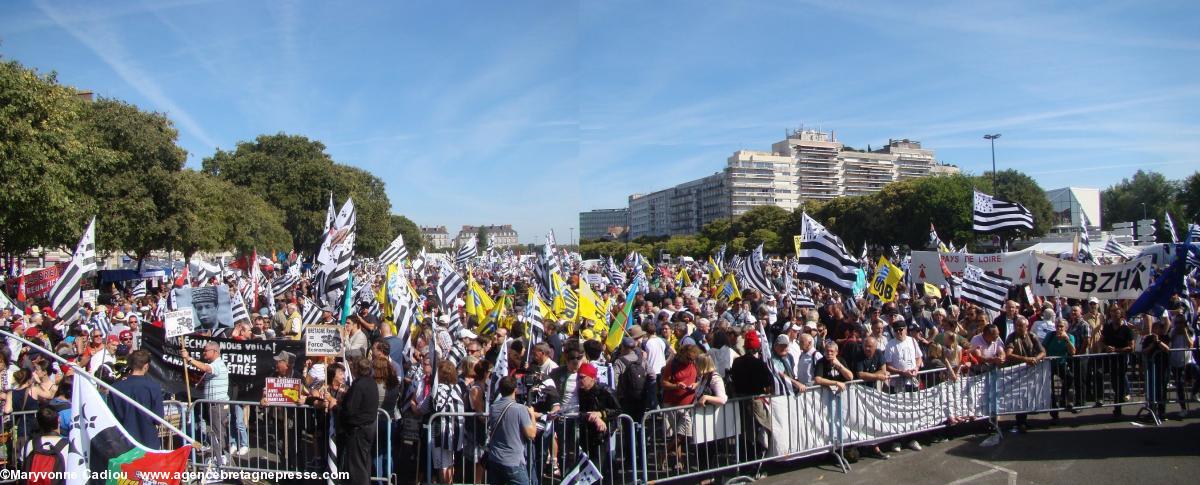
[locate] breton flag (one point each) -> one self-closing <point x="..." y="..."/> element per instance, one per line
<point x="1085" y="244"/>
<point x="99" y="443"/>
<point x="238" y="307"/>
<point x="615" y="275"/>
<point x="752" y="273"/>
<point x="793" y="293"/>
<point x="984" y="289"/>
<point x="284" y="283"/>
<point x="935" y="242"/>
<point x="139" y="290"/>
<point x="468" y="250"/>
<point x="1114" y="247"/>
<point x="995" y="215"/>
<point x="821" y="257"/>
<point x="584" y="473"/>
<point x="1170" y="225"/>
<point x="450" y="284"/>
<point x="329" y="215"/>
<point x="394" y="252"/>
<point x="204" y="271"/>
<point x="65" y="295"/>
<point x="310" y="314"/>
<point x="1193" y="234"/>
<point x="335" y="255"/>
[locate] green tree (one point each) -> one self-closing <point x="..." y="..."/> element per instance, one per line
<point x="481" y="238"/>
<point x="296" y="176"/>
<point x="411" y="232"/>
<point x="135" y="191"/>
<point x="49" y="167"/>
<point x="217" y="215"/>
<point x="1189" y="197"/>
<point x="1123" y="202"/>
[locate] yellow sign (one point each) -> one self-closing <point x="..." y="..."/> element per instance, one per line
<point x="796" y="241"/>
<point x="887" y="276"/>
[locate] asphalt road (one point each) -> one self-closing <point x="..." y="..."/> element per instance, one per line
<point x="1086" y="448"/>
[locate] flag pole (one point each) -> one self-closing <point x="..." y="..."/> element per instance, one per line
<point x="79" y="371"/>
<point x="187" y="381"/>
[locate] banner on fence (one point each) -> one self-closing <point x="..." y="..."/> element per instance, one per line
<point x="1057" y="277"/>
<point x="1017" y="266"/>
<point x="250" y="362"/>
<point x="710" y="423"/>
<point x="282" y="390"/>
<point x="799" y="423"/>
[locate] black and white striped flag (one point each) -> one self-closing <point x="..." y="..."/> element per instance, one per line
<point x="335" y="280"/>
<point x="284" y="283"/>
<point x="615" y="275"/>
<point x="1085" y="244"/>
<point x="468" y="250"/>
<point x="584" y="472"/>
<point x="139" y="289"/>
<point x="984" y="289"/>
<point x="1114" y="247"/>
<point x="238" y="306"/>
<point x="995" y="215"/>
<point x="65" y="295"/>
<point x="335" y="255"/>
<point x="204" y="272"/>
<point x="823" y="258"/>
<point x="449" y="286"/>
<point x="394" y="252"/>
<point x="310" y="314"/>
<point x="795" y="294"/>
<point x="752" y="274"/>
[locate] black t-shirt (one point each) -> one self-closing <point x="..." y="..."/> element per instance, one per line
<point x="828" y="371"/>
<point x="1119" y="337"/>
<point x="870" y="364"/>
<point x="751" y="376"/>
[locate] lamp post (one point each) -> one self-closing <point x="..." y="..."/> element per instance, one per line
<point x="1143" y="210"/>
<point x="992" y="138"/>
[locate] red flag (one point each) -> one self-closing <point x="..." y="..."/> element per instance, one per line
<point x="141" y="467"/>
<point x="183" y="277"/>
<point x="21" y="289"/>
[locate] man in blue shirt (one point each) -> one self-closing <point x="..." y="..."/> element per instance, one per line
<point x="510" y="426"/>
<point x="146" y="392"/>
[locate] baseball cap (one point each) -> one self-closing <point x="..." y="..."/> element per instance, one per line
<point x="112" y="339"/>
<point x="1093" y="300"/>
<point x="32" y="331"/>
<point x="126" y="333"/>
<point x="783" y="340"/>
<point x="587" y="369"/>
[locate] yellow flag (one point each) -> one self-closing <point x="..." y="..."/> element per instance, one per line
<point x="796" y="240"/>
<point x="727" y="289"/>
<point x="683" y="278"/>
<point x="479" y="304"/>
<point x="716" y="270"/>
<point x="931" y="290"/>
<point x="887" y="276"/>
<point x="590" y="307"/>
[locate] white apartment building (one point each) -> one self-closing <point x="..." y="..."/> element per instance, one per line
<point x="807" y="165"/>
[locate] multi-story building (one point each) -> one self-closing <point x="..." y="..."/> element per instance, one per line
<point x="498" y="235"/>
<point x="1072" y="206"/>
<point x="436" y="237"/>
<point x="806" y="165"/>
<point x="603" y="223"/>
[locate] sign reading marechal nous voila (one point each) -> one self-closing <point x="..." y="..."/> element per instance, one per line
<point x="179" y="322"/>
<point x="320" y="340"/>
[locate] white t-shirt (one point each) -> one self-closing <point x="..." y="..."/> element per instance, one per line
<point x="570" y="402"/>
<point x="902" y="355"/>
<point x="100" y="358"/>
<point x="656" y="355"/>
<point x="547" y="366"/>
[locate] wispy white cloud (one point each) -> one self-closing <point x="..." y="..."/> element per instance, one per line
<point x="104" y="42"/>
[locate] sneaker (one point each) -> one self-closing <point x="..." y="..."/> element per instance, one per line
<point x="243" y="450"/>
<point x="875" y="453"/>
<point x="913" y="445"/>
<point x="896" y="447"/>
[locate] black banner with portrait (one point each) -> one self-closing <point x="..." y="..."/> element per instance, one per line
<point x="250" y="362"/>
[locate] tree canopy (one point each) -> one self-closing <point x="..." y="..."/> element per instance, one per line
<point x="1123" y="201"/>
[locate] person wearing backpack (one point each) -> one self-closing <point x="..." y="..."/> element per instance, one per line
<point x="631" y="380"/>
<point x="46" y="453"/>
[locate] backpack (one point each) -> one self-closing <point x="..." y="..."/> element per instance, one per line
<point x="631" y="386"/>
<point x="45" y="462"/>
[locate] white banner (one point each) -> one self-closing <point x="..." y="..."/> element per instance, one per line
<point x="715" y="422"/>
<point x="179" y="322"/>
<point x="1017" y="266"/>
<point x="1057" y="277"/>
<point x="799" y="423"/>
<point x="1023" y="388"/>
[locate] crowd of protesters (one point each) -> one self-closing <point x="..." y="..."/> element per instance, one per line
<point x="687" y="346"/>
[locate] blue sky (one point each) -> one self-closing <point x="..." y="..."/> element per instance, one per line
<point x="526" y="112"/>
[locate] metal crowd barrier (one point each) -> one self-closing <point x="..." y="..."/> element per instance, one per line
<point x="15" y="429"/>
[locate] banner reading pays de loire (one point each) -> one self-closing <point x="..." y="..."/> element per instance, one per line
<point x="1058" y="277"/>
<point x="1017" y="265"/>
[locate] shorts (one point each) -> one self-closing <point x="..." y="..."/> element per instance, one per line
<point x="442" y="458"/>
<point x="679" y="423"/>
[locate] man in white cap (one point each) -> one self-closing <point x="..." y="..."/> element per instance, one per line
<point x="783" y="365"/>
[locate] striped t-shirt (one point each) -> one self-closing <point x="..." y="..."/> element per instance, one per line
<point x="216" y="384"/>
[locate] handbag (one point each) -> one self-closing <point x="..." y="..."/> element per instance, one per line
<point x="486" y="458"/>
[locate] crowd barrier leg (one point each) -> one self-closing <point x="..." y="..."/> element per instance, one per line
<point x="1155" y="390"/>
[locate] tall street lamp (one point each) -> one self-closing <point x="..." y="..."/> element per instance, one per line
<point x="992" y="138"/>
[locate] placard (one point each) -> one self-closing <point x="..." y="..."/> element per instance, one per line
<point x="1017" y="266"/>
<point x="179" y="322"/>
<point x="322" y="340"/>
<point x="38" y="283"/>
<point x="1058" y="277"/>
<point x="90" y="296"/>
<point x="282" y="390"/>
